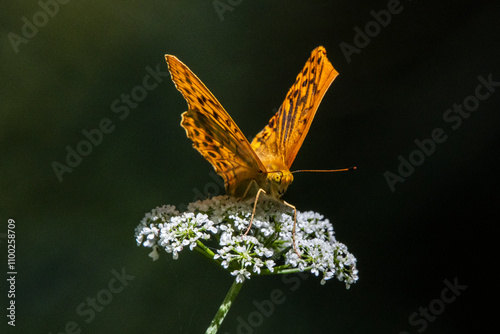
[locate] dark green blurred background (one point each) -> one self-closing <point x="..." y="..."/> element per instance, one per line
<point x="72" y="234"/>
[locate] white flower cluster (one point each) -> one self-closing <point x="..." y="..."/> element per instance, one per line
<point x="267" y="249"/>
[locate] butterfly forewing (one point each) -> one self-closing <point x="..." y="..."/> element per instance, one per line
<point x="213" y="132"/>
<point x="282" y="138"/>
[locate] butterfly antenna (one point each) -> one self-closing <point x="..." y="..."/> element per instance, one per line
<point x="325" y="170"/>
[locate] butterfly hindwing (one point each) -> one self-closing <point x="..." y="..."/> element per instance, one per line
<point x="282" y="138"/>
<point x="213" y="132"/>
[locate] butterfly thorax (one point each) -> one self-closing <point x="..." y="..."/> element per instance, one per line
<point x="278" y="179"/>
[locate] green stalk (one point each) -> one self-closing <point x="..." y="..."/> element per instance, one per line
<point x="205" y="251"/>
<point x="284" y="269"/>
<point x="224" y="308"/>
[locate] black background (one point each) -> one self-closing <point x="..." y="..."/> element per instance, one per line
<point x="71" y="235"/>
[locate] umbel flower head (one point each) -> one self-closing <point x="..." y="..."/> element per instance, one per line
<point x="216" y="228"/>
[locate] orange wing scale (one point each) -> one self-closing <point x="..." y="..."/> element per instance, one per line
<point x="282" y="138"/>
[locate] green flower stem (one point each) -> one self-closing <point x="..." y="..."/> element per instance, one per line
<point x="285" y="269"/>
<point x="205" y="251"/>
<point x="224" y="308"/>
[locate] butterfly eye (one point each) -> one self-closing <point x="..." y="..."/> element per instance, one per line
<point x="277" y="177"/>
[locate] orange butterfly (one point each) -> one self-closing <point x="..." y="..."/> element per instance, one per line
<point x="264" y="165"/>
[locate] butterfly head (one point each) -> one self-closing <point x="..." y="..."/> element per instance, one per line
<point x="278" y="182"/>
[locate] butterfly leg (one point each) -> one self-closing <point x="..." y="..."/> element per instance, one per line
<point x="294" y="226"/>
<point x="254" y="208"/>
<point x="252" y="186"/>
